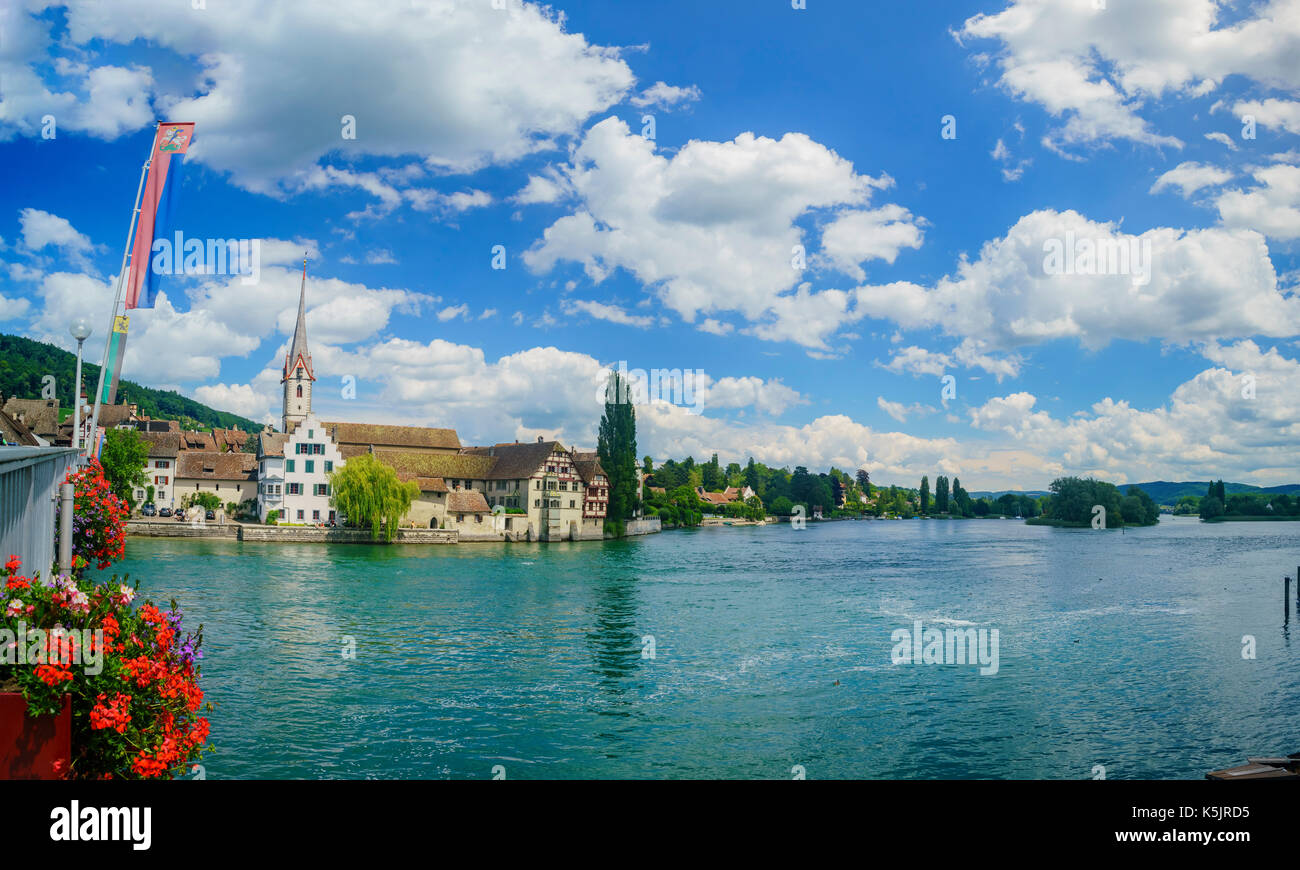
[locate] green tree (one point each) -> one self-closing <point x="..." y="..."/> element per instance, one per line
<point x="368" y="493"/>
<point x="124" y="456"/>
<point x="941" y="494"/>
<point x="864" y="481"/>
<point x="711" y="475"/>
<point x="925" y="494"/>
<point x="751" y="477"/>
<point x="1211" y="507"/>
<point x="616" y="445"/>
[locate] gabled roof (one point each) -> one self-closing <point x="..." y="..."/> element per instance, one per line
<point x="457" y="466"/>
<point x="426" y="484"/>
<point x="588" y="465"/>
<point x="298" y="353"/>
<point x="14" y="432"/>
<point x="271" y="444"/>
<point x="162" y="445"/>
<point x="468" y="501"/>
<point x="39" y="415"/>
<point x="381" y="435"/>
<point x="212" y="465"/>
<point x="516" y="461"/>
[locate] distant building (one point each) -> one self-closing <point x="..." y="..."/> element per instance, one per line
<point x="160" y="468"/>
<point x="231" y="477"/>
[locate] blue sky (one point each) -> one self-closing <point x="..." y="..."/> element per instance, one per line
<point x="773" y="126"/>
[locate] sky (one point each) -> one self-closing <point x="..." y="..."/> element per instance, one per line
<point x="866" y="226"/>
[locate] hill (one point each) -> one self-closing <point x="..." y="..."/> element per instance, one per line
<point x="24" y="364"/>
<point x="1167" y="492"/>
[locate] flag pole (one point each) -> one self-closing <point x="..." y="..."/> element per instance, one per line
<point x="117" y="299"/>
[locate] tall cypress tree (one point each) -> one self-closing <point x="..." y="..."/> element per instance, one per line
<point x="616" y="446"/>
<point x="925" y="494"/>
<point x="941" y="494"/>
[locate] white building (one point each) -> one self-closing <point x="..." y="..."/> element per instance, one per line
<point x="310" y="454"/>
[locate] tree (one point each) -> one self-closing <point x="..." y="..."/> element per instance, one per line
<point x="647" y="465"/>
<point x="941" y="494"/>
<point x="864" y="481"/>
<point x="711" y="475"/>
<point x="123" y="457"/>
<point x="1211" y="507"/>
<point x="368" y="493"/>
<point x="751" y="477"/>
<point x="783" y="507"/>
<point x="616" y="445"/>
<point x="925" y="494"/>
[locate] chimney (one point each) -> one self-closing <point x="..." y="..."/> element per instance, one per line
<point x="540" y="439"/>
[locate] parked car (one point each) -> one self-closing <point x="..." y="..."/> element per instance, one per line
<point x="165" y="512"/>
<point x="148" y="510"/>
<point x="210" y="515"/>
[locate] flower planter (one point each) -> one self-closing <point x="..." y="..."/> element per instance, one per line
<point x="39" y="748"/>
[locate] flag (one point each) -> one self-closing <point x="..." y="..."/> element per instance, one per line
<point x="157" y="206"/>
<point x="116" y="347"/>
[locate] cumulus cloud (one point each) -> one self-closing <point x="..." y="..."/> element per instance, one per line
<point x="1095" y="68"/>
<point x="712" y="228"/>
<point x="610" y="313"/>
<point x="455" y="83"/>
<point x="1190" y="177"/>
<point x="1272" y="206"/>
<point x="661" y="95"/>
<point x="1203" y="284"/>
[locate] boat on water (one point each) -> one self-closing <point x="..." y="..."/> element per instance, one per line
<point x="1263" y="767"/>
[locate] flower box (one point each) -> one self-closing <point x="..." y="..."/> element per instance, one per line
<point x="34" y="748"/>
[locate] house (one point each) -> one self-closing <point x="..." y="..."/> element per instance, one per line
<point x="357" y="437"/>
<point x="270" y="473"/>
<point x="727" y="496"/>
<point x="40" y="416"/>
<point x="596" y="503"/>
<point x="13" y="433"/>
<point x="231" y="477"/>
<point x="543" y="479"/>
<point x="309" y="456"/>
<point x="160" y="468"/>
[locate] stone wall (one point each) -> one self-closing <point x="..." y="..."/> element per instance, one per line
<point x="643" y="526"/>
<point x="174" y="529"/>
<point x="315" y="535"/>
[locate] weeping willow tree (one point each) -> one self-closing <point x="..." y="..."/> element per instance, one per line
<point x="368" y="493"/>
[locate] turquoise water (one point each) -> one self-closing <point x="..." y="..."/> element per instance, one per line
<point x="1115" y="650"/>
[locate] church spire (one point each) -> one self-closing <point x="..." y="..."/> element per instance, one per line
<point x="298" y="354"/>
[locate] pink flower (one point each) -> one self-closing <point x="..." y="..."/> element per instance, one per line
<point x="15" y="608"/>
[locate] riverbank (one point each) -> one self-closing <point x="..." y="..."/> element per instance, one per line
<point x="295" y="534"/>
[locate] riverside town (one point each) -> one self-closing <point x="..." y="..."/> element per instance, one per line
<point x="459" y="390"/>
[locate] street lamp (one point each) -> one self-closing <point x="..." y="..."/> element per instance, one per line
<point x="80" y="330"/>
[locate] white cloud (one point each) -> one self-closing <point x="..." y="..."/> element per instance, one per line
<point x="611" y="313"/>
<point x="41" y="229"/>
<point x="1272" y="207"/>
<point x="712" y="228"/>
<point x="241" y="399"/>
<point x="855" y="237"/>
<point x="665" y="96"/>
<point x="456" y="82"/>
<point x="1190" y="177"/>
<point x="1271" y="113"/>
<point x="1203" y="284"/>
<point x="1095" y="68"/>
<point x="901" y="412"/>
<point x="451" y="312"/>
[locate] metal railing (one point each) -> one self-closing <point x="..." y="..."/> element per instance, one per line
<point x="29" y="493"/>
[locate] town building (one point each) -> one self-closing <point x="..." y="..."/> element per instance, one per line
<point x="160" y="469"/>
<point x="230" y="476"/>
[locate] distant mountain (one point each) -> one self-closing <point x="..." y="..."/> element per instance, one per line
<point x="996" y="494"/>
<point x="1166" y="492"/>
<point x="24" y="364"/>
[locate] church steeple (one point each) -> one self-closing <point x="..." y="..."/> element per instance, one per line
<point x="298" y="354"/>
<point x="298" y="375"/>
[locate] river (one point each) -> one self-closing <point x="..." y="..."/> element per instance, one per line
<point x="759" y="652"/>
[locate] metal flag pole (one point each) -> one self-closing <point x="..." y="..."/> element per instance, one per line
<point x="117" y="299"/>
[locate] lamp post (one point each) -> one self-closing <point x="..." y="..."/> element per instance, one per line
<point x="80" y="330"/>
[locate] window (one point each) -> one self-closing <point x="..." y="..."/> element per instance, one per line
<point x="321" y="489"/>
<point x="329" y="466"/>
<point x="537" y="502"/>
<point x="162" y="463"/>
<point x="311" y="433"/>
<point x="299" y="514"/>
<point x="288" y="466"/>
<point x="309" y="466"/>
<point x="160" y="481"/>
<point x="300" y="391"/>
<point x="571" y="502"/>
<point x="318" y="448"/>
<point x="294" y="489"/>
<point x="315" y="515"/>
<point x="478" y="518"/>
